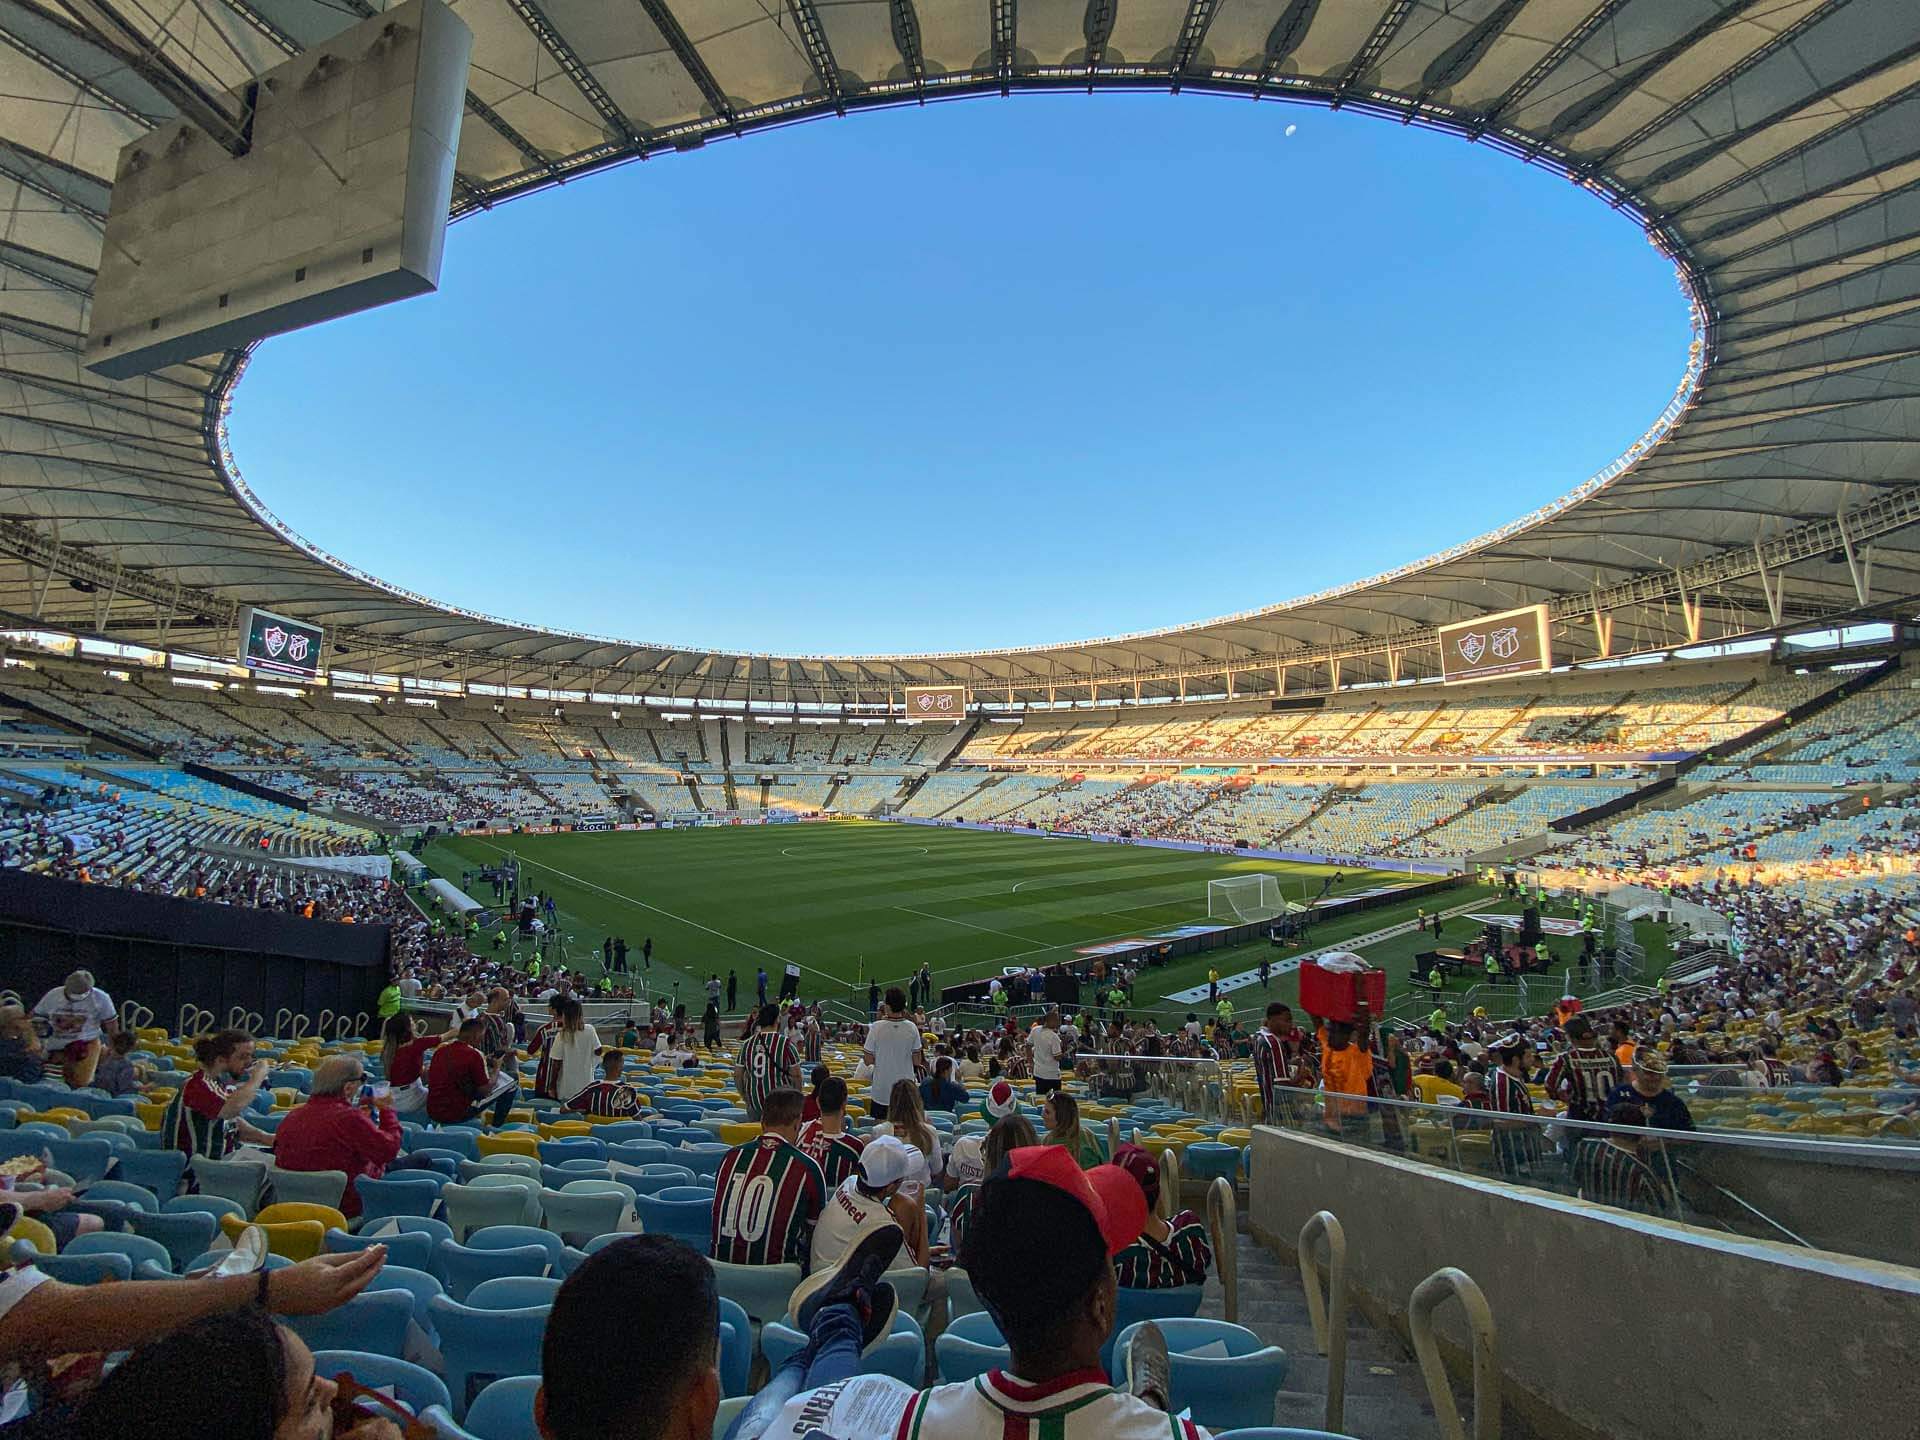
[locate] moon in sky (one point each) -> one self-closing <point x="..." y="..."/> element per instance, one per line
<point x="1292" y="128"/>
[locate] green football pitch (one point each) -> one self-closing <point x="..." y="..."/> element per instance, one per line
<point x="852" y="901"/>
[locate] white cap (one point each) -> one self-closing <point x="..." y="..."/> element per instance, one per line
<point x="884" y="1160"/>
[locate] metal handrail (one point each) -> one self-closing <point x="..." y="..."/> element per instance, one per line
<point x="1328" y="1314"/>
<point x="1223" y="1219"/>
<point x="1169" y="1203"/>
<point x="1427" y="1296"/>
<point x="1693" y="1173"/>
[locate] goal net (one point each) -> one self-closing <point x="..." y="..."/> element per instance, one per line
<point x="1244" y="899"/>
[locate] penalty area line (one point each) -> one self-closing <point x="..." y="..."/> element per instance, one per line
<point x="658" y="910"/>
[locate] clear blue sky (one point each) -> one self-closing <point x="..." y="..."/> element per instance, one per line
<point x="989" y="373"/>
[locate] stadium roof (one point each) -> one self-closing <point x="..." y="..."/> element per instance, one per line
<point x="1771" y="147"/>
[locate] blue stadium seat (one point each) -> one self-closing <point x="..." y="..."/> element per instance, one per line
<point x="1131" y="1306"/>
<point x="1226" y="1392"/>
<point x="902" y="1354"/>
<point x="460" y="1269"/>
<point x="685" y="1219"/>
<point x="414" y="1386"/>
<point x="415" y="1252"/>
<point x="513" y="1292"/>
<point x="486" y="1343"/>
<point x="135" y="1247"/>
<point x="504" y="1410"/>
<point x="970" y="1346"/>
<point x="416" y="1282"/>
<point x="374" y="1320"/>
<point x="184" y="1235"/>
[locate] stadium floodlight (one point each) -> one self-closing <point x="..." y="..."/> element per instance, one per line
<point x="1244" y="899"/>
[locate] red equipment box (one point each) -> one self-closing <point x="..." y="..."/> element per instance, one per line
<point x="1338" y="994"/>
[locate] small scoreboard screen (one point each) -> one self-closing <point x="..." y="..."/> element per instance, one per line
<point x="280" y="646"/>
<point x="1513" y="642"/>
<point x="937" y="702"/>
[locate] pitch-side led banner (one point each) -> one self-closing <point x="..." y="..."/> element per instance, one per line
<point x="937" y="702"/>
<point x="1514" y="642"/>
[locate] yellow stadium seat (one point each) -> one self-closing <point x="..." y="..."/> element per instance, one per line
<point x="560" y="1129"/>
<point x="296" y="1239"/>
<point x="58" y="1115"/>
<point x="34" y="1233"/>
<point x="737" y="1132"/>
<point x="512" y="1142"/>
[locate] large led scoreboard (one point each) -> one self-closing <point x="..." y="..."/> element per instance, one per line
<point x="1514" y="642"/>
<point x="936" y="702"/>
<point x="279" y="646"/>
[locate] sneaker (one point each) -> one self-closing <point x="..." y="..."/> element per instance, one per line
<point x="249" y="1253"/>
<point x="861" y="1270"/>
<point x="1149" y="1373"/>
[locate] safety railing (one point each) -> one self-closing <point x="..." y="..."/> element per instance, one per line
<point x="1854" y="1196"/>
<point x="1198" y="1085"/>
<point x="1327" y="1312"/>
<point x="1223" y="1223"/>
<point x="1439" y="1287"/>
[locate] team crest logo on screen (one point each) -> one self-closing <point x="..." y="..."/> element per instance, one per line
<point x="297" y="648"/>
<point x="926" y="702"/>
<point x="1472" y="646"/>
<point x="275" y="639"/>
<point x="1506" y="642"/>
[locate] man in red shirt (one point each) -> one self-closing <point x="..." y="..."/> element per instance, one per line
<point x="459" y="1080"/>
<point x="329" y="1132"/>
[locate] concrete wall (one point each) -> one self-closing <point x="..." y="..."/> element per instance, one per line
<point x="1612" y="1324"/>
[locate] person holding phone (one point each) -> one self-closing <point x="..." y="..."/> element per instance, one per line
<point x="331" y="1132"/>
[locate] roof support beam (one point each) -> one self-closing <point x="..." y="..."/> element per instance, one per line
<point x="212" y="113"/>
<point x="1454" y="63"/>
<point x="532" y="155"/>
<point x="1369" y="53"/>
<point x="74" y="78"/>
<point x="1193" y="33"/>
<point x="670" y="30"/>
<point x="1590" y="109"/>
<point x="1005" y="32"/>
<point x="1544" y="67"/>
<point x="905" y="21"/>
<point x="575" y="69"/>
<point x="813" y="37"/>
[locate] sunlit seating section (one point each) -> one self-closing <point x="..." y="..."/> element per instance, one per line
<point x="1377" y="818"/>
<point x="1512" y="817"/>
<point x="863" y="794"/>
<point x="1261" y="814"/>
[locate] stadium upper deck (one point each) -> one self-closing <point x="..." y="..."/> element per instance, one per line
<point x="1773" y="152"/>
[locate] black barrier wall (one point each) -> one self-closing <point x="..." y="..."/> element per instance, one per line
<point x="164" y="953"/>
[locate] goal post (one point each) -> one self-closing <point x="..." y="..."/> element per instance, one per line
<point x="1244" y="899"/>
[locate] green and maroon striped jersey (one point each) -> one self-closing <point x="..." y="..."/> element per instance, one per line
<point x="767" y="1061"/>
<point x="838" y="1156"/>
<point x="1182" y="1260"/>
<point x="766" y="1199"/>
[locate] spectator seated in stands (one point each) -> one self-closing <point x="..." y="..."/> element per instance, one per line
<point x="939" y="1092"/>
<point x="203" y="1118"/>
<point x="403" y="1060"/>
<point x="825" y="1136"/>
<point x="266" y="1386"/>
<point x="329" y="1131"/>
<point x="22" y="1057"/>
<point x="460" y="1084"/>
<point x="780" y="1228"/>
<point x="1168" y="1253"/>
<point x="871" y="1200"/>
<point x="42" y="1318"/>
<point x="1013" y="1131"/>
<point x="1040" y="1254"/>
<point x="608" y="1095"/>
<point x="115" y="1073"/>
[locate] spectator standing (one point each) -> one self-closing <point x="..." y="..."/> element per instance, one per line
<point x="403" y="1058"/>
<point x="328" y="1131"/>
<point x="1647" y="1087"/>
<point x="893" y="1049"/>
<point x="768" y="1061"/>
<point x="1584" y="1074"/>
<point x="769" y="1193"/>
<point x="1044" y="1041"/>
<point x="733" y="990"/>
<point x="574" y="1048"/>
<point x="1610" y="1170"/>
<point x="78" y="1014"/>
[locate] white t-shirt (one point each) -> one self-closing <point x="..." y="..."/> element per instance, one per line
<point x="75" y="1021"/>
<point x="892" y="1044"/>
<point x="1046" y="1052"/>
<point x="967" y="1162"/>
<point x="878" y="1407"/>
<point x="848" y="1218"/>
<point x="571" y="1056"/>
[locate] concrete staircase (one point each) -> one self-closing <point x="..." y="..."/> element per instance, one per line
<point x="1386" y="1398"/>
